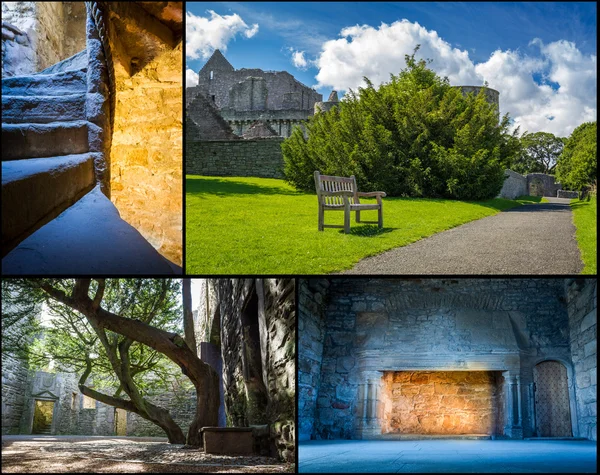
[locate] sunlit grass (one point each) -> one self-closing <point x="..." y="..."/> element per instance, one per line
<point x="584" y="217"/>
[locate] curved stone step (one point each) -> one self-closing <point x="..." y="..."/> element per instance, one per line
<point x="43" y="109"/>
<point x="68" y="82"/>
<point x="77" y="61"/>
<point x="34" y="188"/>
<point x="88" y="238"/>
<point x="21" y="141"/>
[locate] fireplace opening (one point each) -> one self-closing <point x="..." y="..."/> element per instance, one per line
<point x="442" y="403"/>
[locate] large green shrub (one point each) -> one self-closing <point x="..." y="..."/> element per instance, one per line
<point x="414" y="136"/>
<point x="577" y="167"/>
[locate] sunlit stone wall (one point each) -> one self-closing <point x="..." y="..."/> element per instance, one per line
<point x="440" y="402"/>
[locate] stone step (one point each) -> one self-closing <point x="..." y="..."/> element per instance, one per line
<point x="87" y="238"/>
<point x="21" y="141"/>
<point x="35" y="188"/>
<point x="72" y="63"/>
<point x="57" y="84"/>
<point x="43" y="109"/>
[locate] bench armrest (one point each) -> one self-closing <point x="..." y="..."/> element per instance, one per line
<point x="336" y="193"/>
<point x="372" y="194"/>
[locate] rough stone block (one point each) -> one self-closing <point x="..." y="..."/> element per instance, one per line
<point x="228" y="440"/>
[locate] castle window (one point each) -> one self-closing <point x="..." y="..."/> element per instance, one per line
<point x="213" y="98"/>
<point x="88" y="402"/>
<point x="74" y="401"/>
<point x="211" y="76"/>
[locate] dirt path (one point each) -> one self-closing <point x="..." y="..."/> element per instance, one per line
<point x="528" y="239"/>
<point x="56" y="454"/>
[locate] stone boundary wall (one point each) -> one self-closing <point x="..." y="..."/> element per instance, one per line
<point x="181" y="405"/>
<point x="567" y="194"/>
<point x="515" y="185"/>
<point x="256" y="157"/>
<point x="582" y="309"/>
<point x="14" y="386"/>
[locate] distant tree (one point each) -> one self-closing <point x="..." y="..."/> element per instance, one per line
<point x="578" y="165"/>
<point x="413" y="136"/>
<point x="539" y="153"/>
<point x="123" y="333"/>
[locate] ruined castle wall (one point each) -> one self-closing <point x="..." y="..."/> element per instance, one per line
<point x="146" y="168"/>
<point x="14" y="386"/>
<point x="181" y="406"/>
<point x="515" y="185"/>
<point x="252" y="157"/>
<point x="582" y="307"/>
<point x="257" y="343"/>
<point x="457" y="320"/>
<point x="311" y="326"/>
<point x="541" y="184"/>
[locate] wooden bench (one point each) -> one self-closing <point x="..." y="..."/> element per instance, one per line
<point x="337" y="193"/>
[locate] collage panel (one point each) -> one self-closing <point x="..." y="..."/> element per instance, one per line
<point x="92" y="113"/>
<point x="143" y="374"/>
<point x="448" y="375"/>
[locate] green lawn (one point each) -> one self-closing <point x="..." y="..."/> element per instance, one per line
<point x="263" y="226"/>
<point x="584" y="216"/>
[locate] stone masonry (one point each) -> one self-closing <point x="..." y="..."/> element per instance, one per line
<point x="368" y="327"/>
<point x="582" y="308"/>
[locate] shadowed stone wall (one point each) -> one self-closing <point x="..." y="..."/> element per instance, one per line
<point x="582" y="307"/>
<point x="14" y="386"/>
<point x="253" y="323"/>
<point x="251" y="157"/>
<point x="515" y="185"/>
<point x="377" y="325"/>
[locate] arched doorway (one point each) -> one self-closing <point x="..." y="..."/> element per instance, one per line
<point x="552" y="410"/>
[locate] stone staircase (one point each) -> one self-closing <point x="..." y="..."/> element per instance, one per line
<point x="55" y="219"/>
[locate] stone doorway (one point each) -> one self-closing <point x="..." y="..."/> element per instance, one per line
<point x="120" y="421"/>
<point x="42" y="417"/>
<point x="440" y="403"/>
<point x="536" y="187"/>
<point x="552" y="410"/>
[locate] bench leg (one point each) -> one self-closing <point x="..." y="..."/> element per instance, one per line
<point x="347" y="216"/>
<point x="358" y="216"/>
<point x="380" y="216"/>
<point x="321" y="218"/>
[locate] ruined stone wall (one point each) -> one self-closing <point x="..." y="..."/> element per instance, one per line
<point x="541" y="184"/>
<point x="180" y="404"/>
<point x="582" y="307"/>
<point x="55" y="30"/>
<point x="251" y="157"/>
<point x="207" y="124"/>
<point x="146" y="168"/>
<point x="14" y="386"/>
<point x="453" y="319"/>
<point x="515" y="185"/>
<point x="440" y="402"/>
<point x="311" y="326"/>
<point x="257" y="344"/>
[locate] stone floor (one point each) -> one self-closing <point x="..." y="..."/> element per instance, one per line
<point x="59" y="454"/>
<point x="448" y="456"/>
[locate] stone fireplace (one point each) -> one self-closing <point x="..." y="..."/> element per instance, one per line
<point x="441" y="403"/>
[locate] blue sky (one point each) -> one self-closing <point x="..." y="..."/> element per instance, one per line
<point x="540" y="56"/>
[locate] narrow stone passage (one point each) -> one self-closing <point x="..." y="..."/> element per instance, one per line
<point x="529" y="239"/>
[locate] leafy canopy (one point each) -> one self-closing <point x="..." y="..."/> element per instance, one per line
<point x="539" y="153"/>
<point x="577" y="167"/>
<point x="415" y="136"/>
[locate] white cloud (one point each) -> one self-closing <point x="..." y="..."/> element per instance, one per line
<point x="298" y="59"/>
<point x="377" y="52"/>
<point x="191" y="78"/>
<point x="205" y="34"/>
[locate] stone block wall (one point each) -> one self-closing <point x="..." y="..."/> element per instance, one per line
<point x="255" y="319"/>
<point x="14" y="386"/>
<point x="181" y="406"/>
<point x="567" y="194"/>
<point x="146" y="169"/>
<point x="437" y="324"/>
<point x="254" y="157"/>
<point x="582" y="308"/>
<point x="541" y="184"/>
<point x="311" y="326"/>
<point x="441" y="402"/>
<point x="515" y="185"/>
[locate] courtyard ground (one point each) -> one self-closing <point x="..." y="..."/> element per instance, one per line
<point x="533" y="239"/>
<point x="449" y="456"/>
<point x="86" y="454"/>
<point x="237" y="225"/>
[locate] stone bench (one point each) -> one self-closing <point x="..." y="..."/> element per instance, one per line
<point x="228" y="440"/>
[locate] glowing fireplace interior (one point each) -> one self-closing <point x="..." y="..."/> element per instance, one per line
<point x="442" y="402"/>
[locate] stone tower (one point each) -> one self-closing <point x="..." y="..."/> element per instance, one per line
<point x="491" y="95"/>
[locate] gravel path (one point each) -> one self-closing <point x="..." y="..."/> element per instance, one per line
<point x="54" y="454"/>
<point x="528" y="239"/>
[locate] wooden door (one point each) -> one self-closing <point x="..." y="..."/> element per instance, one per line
<point x="552" y="410"/>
